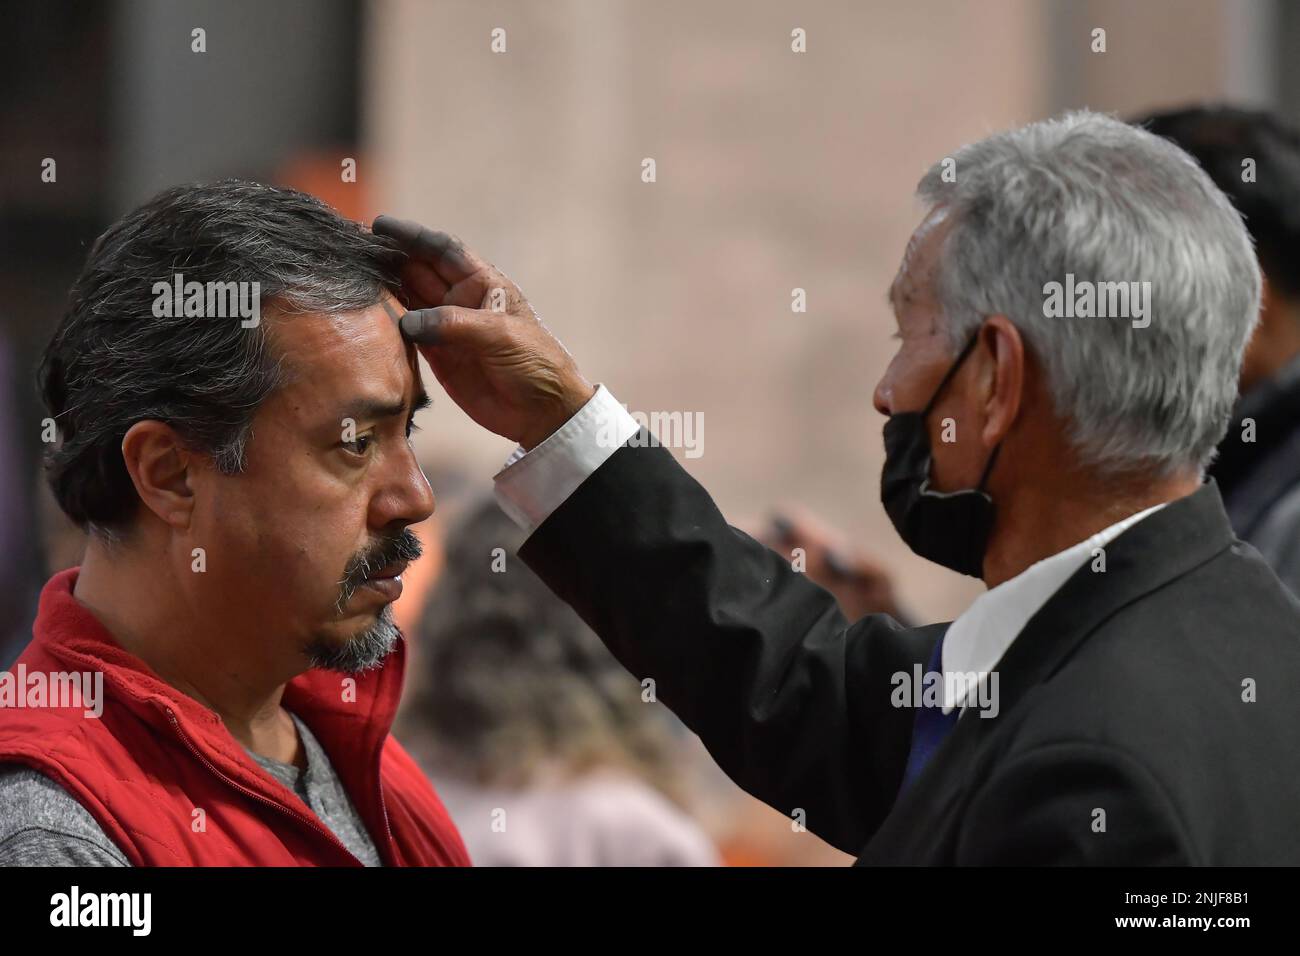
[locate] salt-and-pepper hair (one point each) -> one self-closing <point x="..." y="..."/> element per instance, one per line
<point x="113" y="361"/>
<point x="1091" y="196"/>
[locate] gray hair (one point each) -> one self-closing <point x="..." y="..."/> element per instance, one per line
<point x="112" y="362"/>
<point x="1091" y="196"/>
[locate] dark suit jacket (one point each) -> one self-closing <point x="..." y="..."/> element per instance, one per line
<point x="1124" y="703"/>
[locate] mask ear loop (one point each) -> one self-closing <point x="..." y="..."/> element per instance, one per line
<point x="952" y="370"/>
<point x="961" y="357"/>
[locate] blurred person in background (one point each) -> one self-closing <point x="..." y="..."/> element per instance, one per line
<point x="1255" y="159"/>
<point x="860" y="583"/>
<point x="542" y="746"/>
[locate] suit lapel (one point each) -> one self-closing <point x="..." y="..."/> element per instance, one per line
<point x="1161" y="548"/>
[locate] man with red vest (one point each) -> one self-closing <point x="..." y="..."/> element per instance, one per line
<point x="215" y="684"/>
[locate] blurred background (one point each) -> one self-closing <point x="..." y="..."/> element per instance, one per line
<point x="523" y="127"/>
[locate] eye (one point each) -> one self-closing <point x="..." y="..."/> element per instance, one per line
<point x="411" y="428"/>
<point x="359" y="446"/>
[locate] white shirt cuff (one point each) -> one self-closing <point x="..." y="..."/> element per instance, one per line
<point x="533" y="484"/>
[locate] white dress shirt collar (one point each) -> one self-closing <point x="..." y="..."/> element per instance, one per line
<point x="977" y="640"/>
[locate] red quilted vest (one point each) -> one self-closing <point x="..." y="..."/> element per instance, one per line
<point x="155" y="758"/>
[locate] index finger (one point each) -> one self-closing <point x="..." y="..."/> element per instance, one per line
<point x="441" y="250"/>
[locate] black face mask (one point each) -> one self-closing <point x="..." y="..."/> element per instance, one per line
<point x="948" y="528"/>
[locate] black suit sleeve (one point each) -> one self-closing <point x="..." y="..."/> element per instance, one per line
<point x="1073" y="804"/>
<point x="792" y="702"/>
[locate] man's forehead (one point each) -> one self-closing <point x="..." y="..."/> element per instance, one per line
<point x="345" y="354"/>
<point x="393" y="309"/>
<point x="926" y="235"/>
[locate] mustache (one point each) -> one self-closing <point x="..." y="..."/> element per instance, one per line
<point x="403" y="546"/>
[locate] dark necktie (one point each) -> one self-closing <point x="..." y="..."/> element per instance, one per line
<point x="931" y="726"/>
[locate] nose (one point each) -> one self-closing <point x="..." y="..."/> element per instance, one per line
<point x="407" y="498"/>
<point x="881" y="397"/>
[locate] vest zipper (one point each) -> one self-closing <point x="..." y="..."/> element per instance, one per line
<point x="383" y="807"/>
<point x="259" y="797"/>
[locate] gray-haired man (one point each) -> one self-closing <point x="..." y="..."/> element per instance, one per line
<point x="1072" y="314"/>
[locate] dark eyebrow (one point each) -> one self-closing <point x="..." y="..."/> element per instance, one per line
<point x="365" y="409"/>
